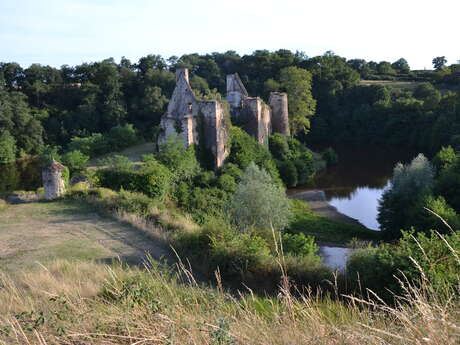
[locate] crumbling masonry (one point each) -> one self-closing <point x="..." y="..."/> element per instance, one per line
<point x="206" y="123"/>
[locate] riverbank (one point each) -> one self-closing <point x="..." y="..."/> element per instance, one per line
<point x="327" y="230"/>
<point x="317" y="202"/>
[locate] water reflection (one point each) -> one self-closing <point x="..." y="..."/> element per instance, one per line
<point x="357" y="182"/>
<point x="22" y="175"/>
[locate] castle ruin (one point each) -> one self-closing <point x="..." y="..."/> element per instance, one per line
<point x="206" y="122"/>
<point x="53" y="181"/>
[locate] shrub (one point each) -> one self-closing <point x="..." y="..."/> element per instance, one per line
<point x="380" y="268"/>
<point x="134" y="202"/>
<point x="7" y="147"/>
<point x="153" y="179"/>
<point x="288" y="172"/>
<point x="245" y="150"/>
<point x="258" y="202"/>
<point x="93" y="145"/>
<point x="75" y="160"/>
<point x="409" y="185"/>
<point x="300" y="245"/>
<point x="444" y="159"/>
<point x="120" y="137"/>
<point x="178" y="158"/>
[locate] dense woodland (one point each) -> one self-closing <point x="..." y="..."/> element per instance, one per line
<point x="78" y="112"/>
<point x="42" y="105"/>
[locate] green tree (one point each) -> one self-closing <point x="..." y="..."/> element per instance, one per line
<point x="401" y="65"/>
<point x="258" y="202"/>
<point x="439" y="62"/>
<point x="178" y="158"/>
<point x="409" y="185"/>
<point x="7" y="147"/>
<point x="297" y="82"/>
<point x="75" y="160"/>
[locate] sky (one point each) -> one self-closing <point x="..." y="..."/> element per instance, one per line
<point x="57" y="32"/>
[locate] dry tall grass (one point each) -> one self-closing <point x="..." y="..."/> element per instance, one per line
<point x="90" y="303"/>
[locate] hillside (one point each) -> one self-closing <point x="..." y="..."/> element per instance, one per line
<point x="37" y="233"/>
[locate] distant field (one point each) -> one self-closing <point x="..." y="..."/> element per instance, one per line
<point x="134" y="153"/>
<point x="37" y="233"/>
<point x="393" y="83"/>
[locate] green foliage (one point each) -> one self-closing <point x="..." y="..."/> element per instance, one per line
<point x="120" y="137"/>
<point x="379" y="268"/>
<point x="425" y="220"/>
<point x="93" y="145"/>
<point x="7" y="148"/>
<point x="444" y="159"/>
<point x="133" y="202"/>
<point x="153" y="179"/>
<point x="300" y="245"/>
<point x="330" y="156"/>
<point x="48" y="154"/>
<point x="258" y="202"/>
<point x="174" y="155"/>
<point x="245" y="150"/>
<point x="439" y="62"/>
<point x="221" y="335"/>
<point x="75" y="160"/>
<point x="297" y="83"/>
<point x="304" y="221"/>
<point x="294" y="161"/>
<point x="409" y="185"/>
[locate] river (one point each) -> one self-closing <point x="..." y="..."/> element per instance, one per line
<point x="355" y="184"/>
<point x="354" y="187"/>
<point x="22" y="175"/>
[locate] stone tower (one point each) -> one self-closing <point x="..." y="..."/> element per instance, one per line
<point x="196" y="122"/>
<point x="280" y="115"/>
<point x="53" y="181"/>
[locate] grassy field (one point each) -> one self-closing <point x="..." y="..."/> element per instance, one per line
<point x="134" y="153"/>
<point x="409" y="85"/>
<point x="42" y="232"/>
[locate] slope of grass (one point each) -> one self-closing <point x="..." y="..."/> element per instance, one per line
<point x="324" y="229"/>
<point x="89" y="303"/>
<point x="39" y="232"/>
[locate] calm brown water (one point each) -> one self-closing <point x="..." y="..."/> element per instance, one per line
<point x="23" y="175"/>
<point x="355" y="185"/>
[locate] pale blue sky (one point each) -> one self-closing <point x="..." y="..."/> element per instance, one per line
<point x="58" y="32"/>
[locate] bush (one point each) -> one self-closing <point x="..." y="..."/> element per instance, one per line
<point x="154" y="180"/>
<point x="174" y="155"/>
<point x="258" y="202"/>
<point x="132" y="202"/>
<point x="120" y="137"/>
<point x="93" y="145"/>
<point x="7" y="148"/>
<point x="380" y="268"/>
<point x="409" y="185"/>
<point x="245" y="150"/>
<point x="75" y="160"/>
<point x="288" y="172"/>
<point x="300" y="245"/>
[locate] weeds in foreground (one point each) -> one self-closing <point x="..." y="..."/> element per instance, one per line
<point x="89" y="303"/>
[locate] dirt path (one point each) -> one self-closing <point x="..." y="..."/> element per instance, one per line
<point x="38" y="232"/>
<point x="317" y="201"/>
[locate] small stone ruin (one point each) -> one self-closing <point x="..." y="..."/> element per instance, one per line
<point x="53" y="181"/>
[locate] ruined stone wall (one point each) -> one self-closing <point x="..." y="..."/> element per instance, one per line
<point x="257" y="116"/>
<point x="186" y="116"/>
<point x="215" y="131"/>
<point x="280" y="113"/>
<point x="53" y="181"/>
